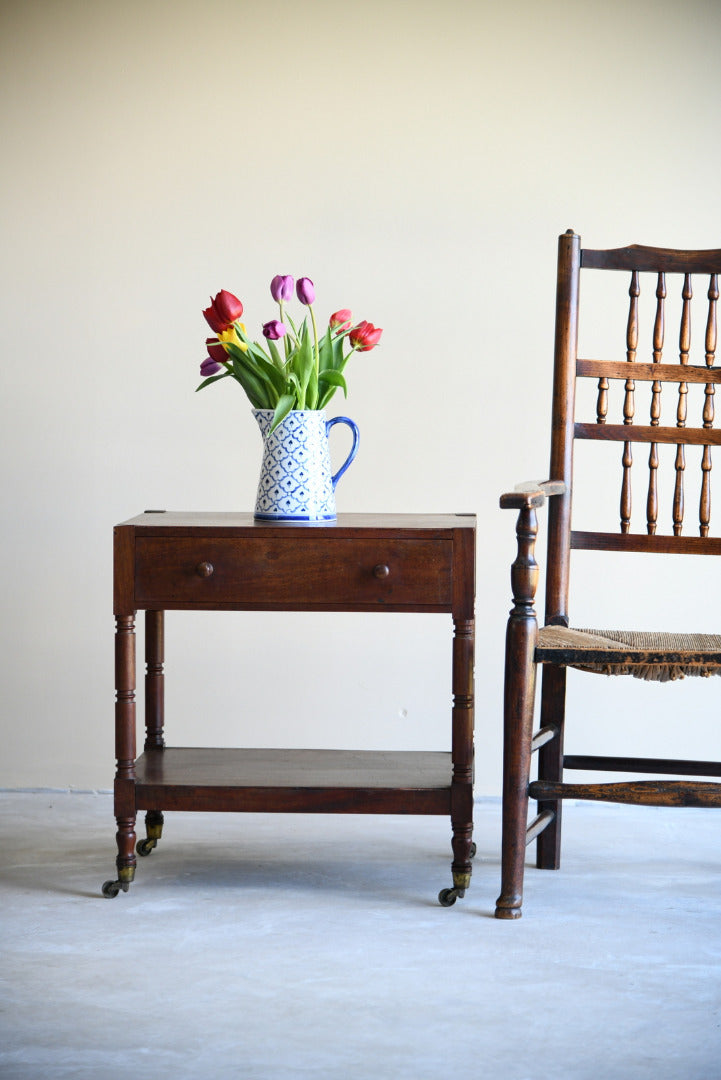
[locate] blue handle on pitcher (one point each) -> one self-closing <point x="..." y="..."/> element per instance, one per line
<point x="354" y="448"/>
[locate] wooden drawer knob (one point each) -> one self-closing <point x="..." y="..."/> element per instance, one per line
<point x="204" y="569"/>
<point x="381" y="571"/>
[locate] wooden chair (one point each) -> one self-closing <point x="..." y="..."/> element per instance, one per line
<point x="643" y="381"/>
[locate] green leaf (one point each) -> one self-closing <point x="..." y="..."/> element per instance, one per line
<point x="305" y="368"/>
<point x="329" y="382"/>
<point x="303" y="364"/>
<point x="338" y="362"/>
<point x="282" y="409"/>
<point x="334" y="378"/>
<point x="257" y="351"/>
<point x="234" y="350"/>
<point x="295" y="383"/>
<point x="272" y="377"/>
<point x="211" y="379"/>
<point x="253" y="386"/>
<point x="311" y="395"/>
<point x="260" y="372"/>
<point x="296" y="333"/>
<point x="325" y="351"/>
<point x="273" y="348"/>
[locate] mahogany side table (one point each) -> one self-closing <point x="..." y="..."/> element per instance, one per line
<point x="226" y="561"/>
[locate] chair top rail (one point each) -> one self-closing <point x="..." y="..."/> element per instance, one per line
<point x="620" y="369"/>
<point x="661" y="544"/>
<point x="639" y="433"/>
<point x="657" y="260"/>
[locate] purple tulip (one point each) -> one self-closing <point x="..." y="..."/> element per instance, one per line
<point x="281" y="287"/>
<point x="209" y="367"/>
<point x="305" y="290"/>
<point x="274" y="329"/>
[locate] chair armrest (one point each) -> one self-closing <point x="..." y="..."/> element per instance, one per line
<point x="531" y="494"/>
<point x="526" y="498"/>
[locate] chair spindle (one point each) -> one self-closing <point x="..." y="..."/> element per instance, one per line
<point x="602" y="401"/>
<point x="681" y="412"/>
<point x="658" y="339"/>
<point x="629" y="400"/>
<point x="708" y="407"/>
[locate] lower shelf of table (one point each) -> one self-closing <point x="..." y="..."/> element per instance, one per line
<point x="288" y="781"/>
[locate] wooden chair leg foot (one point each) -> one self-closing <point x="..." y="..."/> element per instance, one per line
<point x="508" y="908"/>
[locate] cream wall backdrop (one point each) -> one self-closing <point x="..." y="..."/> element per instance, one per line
<point x="418" y="161"/>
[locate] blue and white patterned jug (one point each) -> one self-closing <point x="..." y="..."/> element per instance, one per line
<point x="296" y="482"/>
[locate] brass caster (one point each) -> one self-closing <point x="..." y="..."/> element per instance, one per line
<point x="144" y="847"/>
<point x="474" y="849"/>
<point x="112" y="888"/>
<point x="448" y="897"/>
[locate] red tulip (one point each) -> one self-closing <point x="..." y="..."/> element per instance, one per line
<point x="223" y="311"/>
<point x="216" y="350"/>
<point x="341" y="320"/>
<point x="365" y="336"/>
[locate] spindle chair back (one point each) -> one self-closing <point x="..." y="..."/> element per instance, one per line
<point x="642" y="440"/>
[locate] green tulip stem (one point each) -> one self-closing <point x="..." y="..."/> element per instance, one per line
<point x="286" y="343"/>
<point x="315" y="339"/>
<point x="294" y="329"/>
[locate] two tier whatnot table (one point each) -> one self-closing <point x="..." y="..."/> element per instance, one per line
<point x="229" y="562"/>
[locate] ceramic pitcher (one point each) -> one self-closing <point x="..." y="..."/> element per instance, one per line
<point x="296" y="481"/>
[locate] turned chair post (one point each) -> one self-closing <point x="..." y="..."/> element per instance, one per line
<point x="519" y="694"/>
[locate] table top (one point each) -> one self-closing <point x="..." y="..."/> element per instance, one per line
<point x="231" y="522"/>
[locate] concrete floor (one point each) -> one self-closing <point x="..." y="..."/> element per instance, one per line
<point x="263" y="948"/>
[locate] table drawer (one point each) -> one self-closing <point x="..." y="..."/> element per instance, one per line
<point x="263" y="572"/>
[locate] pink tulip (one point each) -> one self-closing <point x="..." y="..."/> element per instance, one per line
<point x="274" y="330"/>
<point x="305" y="290"/>
<point x="281" y="287"/>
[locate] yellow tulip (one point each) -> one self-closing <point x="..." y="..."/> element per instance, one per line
<point x="231" y="336"/>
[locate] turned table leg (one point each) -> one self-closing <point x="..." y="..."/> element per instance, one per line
<point x="154" y="713"/>
<point x="462" y="758"/>
<point x="125" y="754"/>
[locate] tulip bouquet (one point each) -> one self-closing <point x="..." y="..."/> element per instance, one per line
<point x="304" y="372"/>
